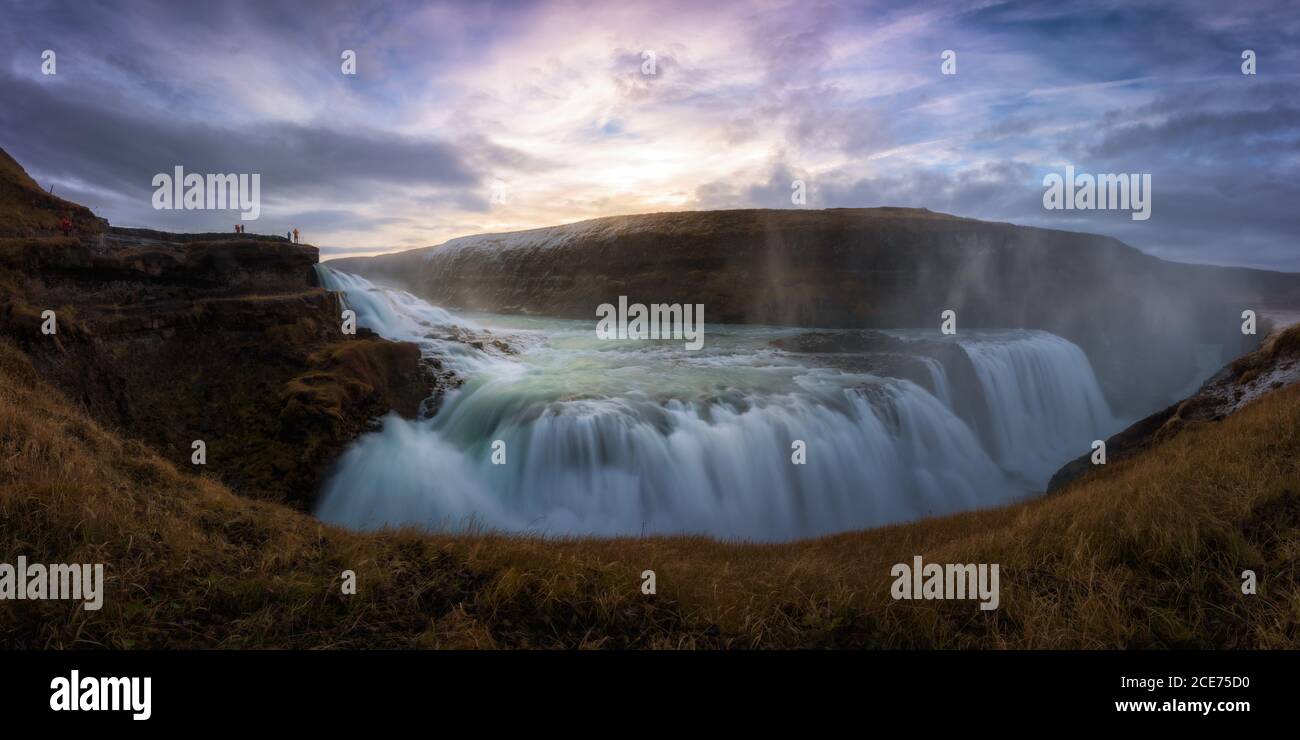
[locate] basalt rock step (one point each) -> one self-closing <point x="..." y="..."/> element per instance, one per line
<point x="1139" y="318"/>
<point x="1275" y="365"/>
<point x="174" y="338"/>
<point x="868" y="351"/>
<point x="230" y="264"/>
<point x="836" y="342"/>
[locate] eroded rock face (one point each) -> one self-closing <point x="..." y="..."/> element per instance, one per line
<point x="229" y="340"/>
<point x="1137" y="317"/>
<point x="1275" y="365"/>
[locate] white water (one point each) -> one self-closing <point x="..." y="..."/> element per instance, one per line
<point x="1046" y="405"/>
<point x="627" y="438"/>
<point x="396" y="314"/>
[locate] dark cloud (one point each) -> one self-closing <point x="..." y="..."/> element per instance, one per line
<point x="63" y="136"/>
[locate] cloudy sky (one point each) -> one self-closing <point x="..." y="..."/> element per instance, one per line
<point x="549" y="103"/>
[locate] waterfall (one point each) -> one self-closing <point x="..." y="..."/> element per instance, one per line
<point x="1045" y="405"/>
<point x="616" y="467"/>
<point x="398" y="315"/>
<point x="391" y="313"/>
<point x="630" y="438"/>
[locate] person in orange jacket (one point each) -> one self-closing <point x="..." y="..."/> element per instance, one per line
<point x="295" y="236"/>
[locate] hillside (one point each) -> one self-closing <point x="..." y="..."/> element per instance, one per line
<point x="214" y="337"/>
<point x="1138" y="318"/>
<point x="26" y="210"/>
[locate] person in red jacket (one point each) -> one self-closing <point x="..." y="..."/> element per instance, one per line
<point x="65" y="225"/>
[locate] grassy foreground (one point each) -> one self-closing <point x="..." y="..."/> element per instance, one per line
<point x="1146" y="553"/>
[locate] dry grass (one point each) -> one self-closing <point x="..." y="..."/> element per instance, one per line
<point x="27" y="210"/>
<point x="1147" y="553"/>
<point x="1278" y="345"/>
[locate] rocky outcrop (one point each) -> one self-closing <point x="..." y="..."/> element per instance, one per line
<point x="1137" y="317"/>
<point x="216" y="338"/>
<point x="1275" y="365"/>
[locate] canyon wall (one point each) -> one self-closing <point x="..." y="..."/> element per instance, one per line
<point x="1138" y="318"/>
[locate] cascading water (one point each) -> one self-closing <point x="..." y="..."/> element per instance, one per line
<point x="637" y="437"/>
<point x="398" y="315"/>
<point x="1045" y="405"/>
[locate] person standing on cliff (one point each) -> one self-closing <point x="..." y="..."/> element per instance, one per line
<point x="295" y="236"/>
